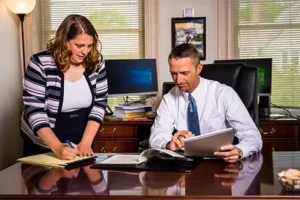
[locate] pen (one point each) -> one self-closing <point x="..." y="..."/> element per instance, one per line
<point x="70" y="144"/>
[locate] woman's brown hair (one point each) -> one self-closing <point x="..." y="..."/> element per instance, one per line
<point x="72" y="26"/>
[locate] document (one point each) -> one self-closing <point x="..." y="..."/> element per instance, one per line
<point x="51" y="160"/>
<point x="205" y="145"/>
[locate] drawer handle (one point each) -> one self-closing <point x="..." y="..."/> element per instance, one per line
<point x="114" y="149"/>
<point x="107" y="133"/>
<point x="102" y="150"/>
<point x="273" y="130"/>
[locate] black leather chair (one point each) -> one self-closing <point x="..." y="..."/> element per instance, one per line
<point x="243" y="79"/>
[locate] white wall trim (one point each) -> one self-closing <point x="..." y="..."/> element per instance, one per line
<point x="151" y="28"/>
<point x="224" y="29"/>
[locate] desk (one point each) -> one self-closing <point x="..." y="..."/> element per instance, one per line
<point x="124" y="136"/>
<point x="206" y="181"/>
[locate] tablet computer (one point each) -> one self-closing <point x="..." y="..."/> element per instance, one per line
<point x="207" y="144"/>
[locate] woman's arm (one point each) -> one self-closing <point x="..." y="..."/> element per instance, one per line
<point x="34" y="89"/>
<point x="96" y="116"/>
<point x="85" y="145"/>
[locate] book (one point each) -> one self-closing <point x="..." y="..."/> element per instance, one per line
<point x="133" y="108"/>
<point x="131" y="115"/>
<point x="149" y="159"/>
<point x="51" y="160"/>
<point x="138" y="110"/>
<point x="205" y="145"/>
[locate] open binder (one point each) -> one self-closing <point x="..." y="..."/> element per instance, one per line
<point x="149" y="160"/>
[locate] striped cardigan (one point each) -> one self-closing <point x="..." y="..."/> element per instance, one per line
<point x="43" y="94"/>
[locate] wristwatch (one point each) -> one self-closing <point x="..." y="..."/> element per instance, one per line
<point x="240" y="153"/>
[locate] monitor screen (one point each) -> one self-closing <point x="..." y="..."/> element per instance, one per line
<point x="131" y="77"/>
<point x="264" y="66"/>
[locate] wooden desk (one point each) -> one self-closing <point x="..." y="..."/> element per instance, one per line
<point x="210" y="180"/>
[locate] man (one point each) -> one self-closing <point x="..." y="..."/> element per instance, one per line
<point x="217" y="107"/>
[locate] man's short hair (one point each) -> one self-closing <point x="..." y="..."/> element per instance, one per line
<point x="185" y="50"/>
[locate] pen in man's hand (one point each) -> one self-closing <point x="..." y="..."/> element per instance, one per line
<point x="70" y="144"/>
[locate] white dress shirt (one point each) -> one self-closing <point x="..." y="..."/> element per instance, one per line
<point x="218" y="106"/>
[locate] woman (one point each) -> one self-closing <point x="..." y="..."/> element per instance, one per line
<point x="65" y="92"/>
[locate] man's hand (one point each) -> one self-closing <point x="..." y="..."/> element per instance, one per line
<point x="177" y="141"/>
<point x="229" y="153"/>
<point x="229" y="174"/>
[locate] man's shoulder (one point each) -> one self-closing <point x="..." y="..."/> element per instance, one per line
<point x="216" y="85"/>
<point x="173" y="93"/>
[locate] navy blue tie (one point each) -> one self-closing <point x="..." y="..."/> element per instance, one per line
<point x="193" y="120"/>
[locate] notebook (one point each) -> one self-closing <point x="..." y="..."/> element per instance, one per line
<point x="51" y="160"/>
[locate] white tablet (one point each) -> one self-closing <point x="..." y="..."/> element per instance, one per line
<point x="207" y="144"/>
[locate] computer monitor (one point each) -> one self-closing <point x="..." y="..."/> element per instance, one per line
<point x="264" y="66"/>
<point x="131" y="77"/>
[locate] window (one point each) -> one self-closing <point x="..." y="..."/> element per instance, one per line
<point x="119" y="23"/>
<point x="271" y="28"/>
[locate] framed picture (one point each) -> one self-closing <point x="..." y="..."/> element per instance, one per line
<point x="190" y="30"/>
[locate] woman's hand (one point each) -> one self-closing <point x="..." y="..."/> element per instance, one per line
<point x="84" y="150"/>
<point x="65" y="152"/>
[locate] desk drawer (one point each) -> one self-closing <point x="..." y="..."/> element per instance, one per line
<point x="280" y="145"/>
<point x="115" y="146"/>
<point x="115" y="131"/>
<point x="279" y="131"/>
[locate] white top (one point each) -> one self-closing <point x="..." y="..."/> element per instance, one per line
<point x="218" y="106"/>
<point x="77" y="95"/>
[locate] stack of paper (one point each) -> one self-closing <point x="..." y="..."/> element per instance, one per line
<point x="51" y="160"/>
<point x="132" y="111"/>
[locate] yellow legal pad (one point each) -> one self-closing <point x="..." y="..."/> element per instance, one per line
<point x="51" y="160"/>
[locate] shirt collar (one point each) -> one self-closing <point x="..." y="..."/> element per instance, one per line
<point x="199" y="93"/>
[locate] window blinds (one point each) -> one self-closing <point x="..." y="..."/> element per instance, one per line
<point x="119" y="23"/>
<point x="271" y="29"/>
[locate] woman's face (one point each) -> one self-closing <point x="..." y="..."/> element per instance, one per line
<point x="80" y="46"/>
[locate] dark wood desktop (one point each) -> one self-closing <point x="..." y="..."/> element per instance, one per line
<point x="254" y="178"/>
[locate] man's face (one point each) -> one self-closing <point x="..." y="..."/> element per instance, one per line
<point x="185" y="73"/>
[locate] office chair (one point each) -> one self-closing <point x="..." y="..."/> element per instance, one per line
<point x="243" y="79"/>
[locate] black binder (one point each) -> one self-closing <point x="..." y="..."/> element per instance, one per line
<point x="155" y="164"/>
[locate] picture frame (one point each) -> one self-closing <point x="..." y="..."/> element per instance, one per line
<point x="190" y="30"/>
